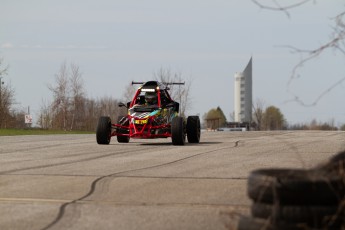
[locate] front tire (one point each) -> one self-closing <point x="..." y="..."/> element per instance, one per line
<point x="178" y="135"/>
<point x="103" y="131"/>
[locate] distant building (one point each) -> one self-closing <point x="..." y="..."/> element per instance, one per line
<point x="243" y="95"/>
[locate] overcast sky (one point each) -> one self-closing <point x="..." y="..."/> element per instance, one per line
<point x="114" y="42"/>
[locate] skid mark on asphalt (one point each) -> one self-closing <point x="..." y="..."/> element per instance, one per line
<point x="110" y="177"/>
<point x="30" y="149"/>
<point x="27" y="149"/>
<point x="72" y="162"/>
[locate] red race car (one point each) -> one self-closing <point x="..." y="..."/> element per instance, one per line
<point x="151" y="114"/>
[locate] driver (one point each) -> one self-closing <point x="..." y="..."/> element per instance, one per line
<point x="151" y="98"/>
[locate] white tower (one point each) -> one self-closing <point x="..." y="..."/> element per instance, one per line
<point x="243" y="95"/>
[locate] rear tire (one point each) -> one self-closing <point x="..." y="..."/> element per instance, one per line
<point x="178" y="135"/>
<point x="123" y="139"/>
<point x="103" y="131"/>
<point x="193" y="129"/>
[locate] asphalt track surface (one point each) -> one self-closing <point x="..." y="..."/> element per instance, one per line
<point x="70" y="182"/>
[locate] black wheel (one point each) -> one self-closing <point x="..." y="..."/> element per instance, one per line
<point x="315" y="216"/>
<point x="295" y="187"/>
<point x="123" y="121"/>
<point x="193" y="129"/>
<point x="103" y="131"/>
<point x="178" y="135"/>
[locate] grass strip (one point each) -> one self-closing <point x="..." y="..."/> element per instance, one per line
<point x="16" y="132"/>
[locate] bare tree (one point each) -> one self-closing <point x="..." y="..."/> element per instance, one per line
<point x="275" y="5"/>
<point x="3" y="69"/>
<point x="91" y="115"/>
<point x="70" y="109"/>
<point x="128" y="93"/>
<point x="60" y="95"/>
<point x="6" y="102"/>
<point x="336" y="42"/>
<point x="108" y="106"/>
<point x="3" y="72"/>
<point x="178" y="93"/>
<point x="258" y="114"/>
<point x="77" y="95"/>
<point x="6" y="96"/>
<point x="45" y="117"/>
<point x="67" y="111"/>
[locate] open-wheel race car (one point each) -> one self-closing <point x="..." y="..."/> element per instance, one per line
<point x="151" y="114"/>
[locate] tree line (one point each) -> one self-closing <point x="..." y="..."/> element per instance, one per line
<point x="266" y="118"/>
<point x="269" y="118"/>
<point x="71" y="109"/>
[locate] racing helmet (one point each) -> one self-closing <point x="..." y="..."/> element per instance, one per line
<point x="151" y="98"/>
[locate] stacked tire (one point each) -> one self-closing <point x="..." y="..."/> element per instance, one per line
<point x="289" y="199"/>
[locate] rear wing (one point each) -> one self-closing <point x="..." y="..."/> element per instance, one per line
<point x="164" y="83"/>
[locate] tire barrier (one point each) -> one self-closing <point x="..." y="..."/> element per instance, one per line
<point x="311" y="215"/>
<point x="289" y="199"/>
<point x="335" y="165"/>
<point x="294" y="187"/>
<point x="250" y="223"/>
